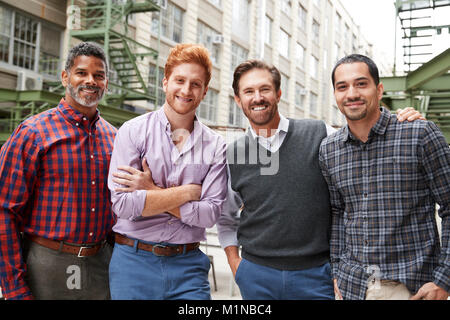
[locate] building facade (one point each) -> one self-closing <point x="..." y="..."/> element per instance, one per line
<point x="302" y="38"/>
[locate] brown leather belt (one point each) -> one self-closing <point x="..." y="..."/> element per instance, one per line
<point x="79" y="250"/>
<point x="158" y="249"/>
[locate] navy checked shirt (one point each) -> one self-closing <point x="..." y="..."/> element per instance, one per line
<point x="383" y="195"/>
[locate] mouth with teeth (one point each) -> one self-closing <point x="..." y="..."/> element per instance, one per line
<point x="259" y="107"/>
<point x="184" y="100"/>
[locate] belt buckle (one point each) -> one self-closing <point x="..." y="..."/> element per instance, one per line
<point x="79" y="252"/>
<point x="158" y="246"/>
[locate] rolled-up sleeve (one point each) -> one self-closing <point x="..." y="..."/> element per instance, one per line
<point x="204" y="213"/>
<point x="126" y="205"/>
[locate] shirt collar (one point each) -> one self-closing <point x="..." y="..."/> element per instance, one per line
<point x="283" y="125"/>
<point x="379" y="128"/>
<point x="195" y="136"/>
<point x="74" y="116"/>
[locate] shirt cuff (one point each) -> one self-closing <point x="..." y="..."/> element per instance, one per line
<point x="441" y="278"/>
<point x="21" y="293"/>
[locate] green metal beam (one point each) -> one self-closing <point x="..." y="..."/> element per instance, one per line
<point x="428" y="71"/>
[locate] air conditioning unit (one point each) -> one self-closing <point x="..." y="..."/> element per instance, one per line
<point x="162" y="4"/>
<point x="217" y="39"/>
<point x="28" y="81"/>
<point x="303" y="92"/>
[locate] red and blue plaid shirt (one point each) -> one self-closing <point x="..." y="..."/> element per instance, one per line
<point x="53" y="183"/>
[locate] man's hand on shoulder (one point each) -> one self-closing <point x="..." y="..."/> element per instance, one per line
<point x="409" y="114"/>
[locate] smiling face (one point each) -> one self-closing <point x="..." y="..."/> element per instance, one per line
<point x="85" y="83"/>
<point x="185" y="88"/>
<point x="259" y="99"/>
<point x="357" y="95"/>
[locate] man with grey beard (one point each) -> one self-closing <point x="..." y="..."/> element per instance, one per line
<point x="55" y="212"/>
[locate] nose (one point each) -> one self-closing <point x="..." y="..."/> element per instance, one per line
<point x="257" y="97"/>
<point x="352" y="92"/>
<point x="185" y="88"/>
<point x="90" y="79"/>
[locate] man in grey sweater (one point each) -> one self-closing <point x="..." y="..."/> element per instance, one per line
<point x="278" y="206"/>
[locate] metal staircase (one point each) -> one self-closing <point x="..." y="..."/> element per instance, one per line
<point x="106" y="23"/>
<point x="426" y="85"/>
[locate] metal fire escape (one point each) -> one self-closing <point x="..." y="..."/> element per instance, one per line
<point x="426" y="85"/>
<point x="106" y="23"/>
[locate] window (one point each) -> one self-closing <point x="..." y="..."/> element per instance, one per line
<point x="300" y="94"/>
<point x="240" y="18"/>
<point x="315" y="31"/>
<point x="208" y="107"/>
<point x="284" y="87"/>
<point x="205" y="36"/>
<point x="314" y="67"/>
<point x="337" y="23"/>
<point x="5" y="33"/>
<point x="20" y="38"/>
<point x="154" y="84"/>
<point x="171" y="22"/>
<point x="49" y="53"/>
<point x="286" y="6"/>
<point x="317" y="3"/>
<point x="268" y="30"/>
<point x="284" y="43"/>
<point x="302" y="18"/>
<point x="337" y="52"/>
<point x="300" y="55"/>
<point x="235" y="114"/>
<point x="216" y="2"/>
<point x="313" y="104"/>
<point x="238" y="55"/>
<point x="325" y="59"/>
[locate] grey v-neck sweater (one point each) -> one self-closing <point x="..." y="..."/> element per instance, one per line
<point x="285" y="223"/>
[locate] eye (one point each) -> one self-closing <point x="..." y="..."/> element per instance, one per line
<point x="341" y="87"/>
<point x="361" y="84"/>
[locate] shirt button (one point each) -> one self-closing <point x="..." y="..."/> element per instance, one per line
<point x="92" y="156"/>
<point x="77" y="124"/>
<point x="93" y="182"/>
<point x="365" y="195"/>
<point x="91" y="234"/>
<point x="93" y="209"/>
<point x="84" y="118"/>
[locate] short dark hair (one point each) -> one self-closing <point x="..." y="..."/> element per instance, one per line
<point x="255" y="64"/>
<point x="373" y="69"/>
<point x="86" y="49"/>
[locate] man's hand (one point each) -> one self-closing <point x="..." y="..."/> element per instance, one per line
<point x="337" y="292"/>
<point x="430" y="291"/>
<point x="134" y="179"/>
<point x="234" y="259"/>
<point x="409" y="114"/>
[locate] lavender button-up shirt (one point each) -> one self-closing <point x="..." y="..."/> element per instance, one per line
<point x="201" y="161"/>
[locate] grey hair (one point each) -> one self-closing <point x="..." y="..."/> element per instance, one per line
<point x="86" y="49"/>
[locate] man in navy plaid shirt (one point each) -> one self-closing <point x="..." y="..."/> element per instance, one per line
<point x="385" y="178"/>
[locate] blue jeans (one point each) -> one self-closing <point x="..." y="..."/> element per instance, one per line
<point x="257" y="282"/>
<point x="140" y="275"/>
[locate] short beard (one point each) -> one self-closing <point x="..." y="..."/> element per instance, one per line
<point x="89" y="103"/>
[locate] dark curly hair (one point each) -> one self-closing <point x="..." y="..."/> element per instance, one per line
<point x="86" y="49"/>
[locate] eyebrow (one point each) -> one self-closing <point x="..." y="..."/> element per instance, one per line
<point x="83" y="69"/>
<point x="357" y="79"/>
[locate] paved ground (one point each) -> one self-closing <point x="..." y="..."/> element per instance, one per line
<point x="226" y="287"/>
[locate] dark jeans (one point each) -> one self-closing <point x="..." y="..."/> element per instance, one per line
<point x="53" y="275"/>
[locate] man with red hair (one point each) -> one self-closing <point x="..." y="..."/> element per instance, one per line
<point x="168" y="181"/>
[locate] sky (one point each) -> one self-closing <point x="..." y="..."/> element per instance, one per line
<point x="377" y="21"/>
